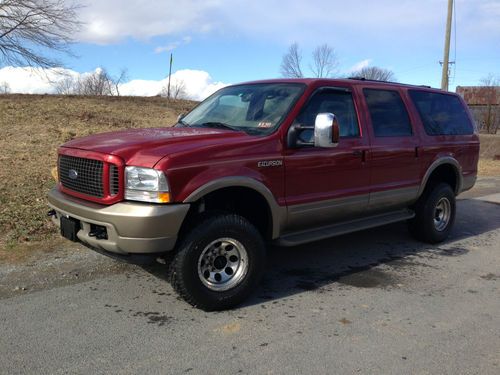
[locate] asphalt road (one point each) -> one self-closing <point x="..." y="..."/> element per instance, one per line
<point x="370" y="302"/>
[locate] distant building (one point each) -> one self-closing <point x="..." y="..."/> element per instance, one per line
<point x="484" y="103"/>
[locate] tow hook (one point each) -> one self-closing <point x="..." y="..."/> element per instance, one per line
<point x="51" y="213"/>
<point x="99" y="233"/>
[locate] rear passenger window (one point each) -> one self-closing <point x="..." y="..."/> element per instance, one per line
<point x="441" y="114"/>
<point x="388" y="113"/>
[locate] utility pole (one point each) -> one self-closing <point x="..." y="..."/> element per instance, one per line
<point x="446" y="58"/>
<point x="169" y="75"/>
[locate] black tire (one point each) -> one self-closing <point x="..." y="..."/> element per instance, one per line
<point x="427" y="226"/>
<point x="203" y="239"/>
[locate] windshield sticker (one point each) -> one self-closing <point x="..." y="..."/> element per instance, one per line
<point x="265" y="125"/>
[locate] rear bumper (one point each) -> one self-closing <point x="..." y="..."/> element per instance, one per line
<point x="132" y="228"/>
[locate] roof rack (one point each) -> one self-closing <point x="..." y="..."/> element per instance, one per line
<point x="377" y="80"/>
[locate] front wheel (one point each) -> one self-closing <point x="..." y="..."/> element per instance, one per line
<point x="434" y="214"/>
<point x="219" y="262"/>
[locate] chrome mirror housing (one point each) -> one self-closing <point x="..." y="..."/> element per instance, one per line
<point x="326" y="130"/>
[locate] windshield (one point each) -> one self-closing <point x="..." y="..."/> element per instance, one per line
<point x="253" y="108"/>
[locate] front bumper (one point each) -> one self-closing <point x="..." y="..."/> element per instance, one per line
<point x="132" y="227"/>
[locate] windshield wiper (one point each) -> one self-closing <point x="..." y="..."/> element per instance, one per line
<point x="219" y="125"/>
<point x="181" y="123"/>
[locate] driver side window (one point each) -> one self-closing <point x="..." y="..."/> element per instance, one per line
<point x="340" y="103"/>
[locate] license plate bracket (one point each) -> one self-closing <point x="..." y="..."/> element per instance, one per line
<point x="69" y="228"/>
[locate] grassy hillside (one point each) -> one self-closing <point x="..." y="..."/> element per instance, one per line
<point x="32" y="126"/>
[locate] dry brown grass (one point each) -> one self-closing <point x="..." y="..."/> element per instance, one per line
<point x="488" y="167"/>
<point x="32" y="127"/>
<point x="490" y="147"/>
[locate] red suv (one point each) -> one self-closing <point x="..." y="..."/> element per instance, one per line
<point x="288" y="161"/>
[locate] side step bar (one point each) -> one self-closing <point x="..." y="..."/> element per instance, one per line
<point x="321" y="233"/>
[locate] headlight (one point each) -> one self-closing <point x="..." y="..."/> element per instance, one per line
<point x="146" y="185"/>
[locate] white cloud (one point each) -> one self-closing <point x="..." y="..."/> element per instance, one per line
<point x="34" y="80"/>
<point x="110" y="21"/>
<point x="359" y="65"/>
<point x="171" y="46"/>
<point x="113" y="20"/>
<point x="197" y="83"/>
<point x="336" y="21"/>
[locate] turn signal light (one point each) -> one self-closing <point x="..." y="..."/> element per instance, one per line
<point x="164" y="197"/>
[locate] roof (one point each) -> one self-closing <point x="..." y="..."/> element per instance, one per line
<point x="480" y="95"/>
<point x="332" y="81"/>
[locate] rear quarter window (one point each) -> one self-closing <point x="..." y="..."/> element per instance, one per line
<point x="441" y="114"/>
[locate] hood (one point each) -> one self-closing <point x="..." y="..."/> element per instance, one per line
<point x="145" y="147"/>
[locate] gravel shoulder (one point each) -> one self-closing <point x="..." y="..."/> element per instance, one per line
<point x="66" y="264"/>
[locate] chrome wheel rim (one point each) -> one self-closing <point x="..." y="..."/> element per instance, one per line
<point x="442" y="214"/>
<point x="223" y="264"/>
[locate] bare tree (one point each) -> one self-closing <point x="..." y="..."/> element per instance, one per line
<point x="66" y="86"/>
<point x="490" y="117"/>
<point x="4" y="88"/>
<point x="118" y="80"/>
<point x="325" y="63"/>
<point x="31" y="28"/>
<point x="375" y="73"/>
<point x="177" y="90"/>
<point x="290" y="63"/>
<point x="98" y="83"/>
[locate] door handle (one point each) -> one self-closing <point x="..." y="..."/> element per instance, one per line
<point x="360" y="154"/>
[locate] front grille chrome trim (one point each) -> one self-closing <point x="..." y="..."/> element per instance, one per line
<point x="91" y="177"/>
<point x="114" y="180"/>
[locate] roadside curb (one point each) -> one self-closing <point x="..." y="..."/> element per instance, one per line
<point x="491" y="198"/>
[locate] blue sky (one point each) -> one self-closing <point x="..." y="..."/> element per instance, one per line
<point x="235" y="41"/>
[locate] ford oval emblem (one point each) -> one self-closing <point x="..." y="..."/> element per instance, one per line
<point x="72" y="174"/>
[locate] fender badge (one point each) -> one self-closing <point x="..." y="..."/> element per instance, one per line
<point x="270" y="163"/>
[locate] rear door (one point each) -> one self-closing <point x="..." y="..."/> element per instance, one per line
<point x="394" y="158"/>
<point x="327" y="184"/>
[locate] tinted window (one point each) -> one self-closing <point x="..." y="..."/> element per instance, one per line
<point x="339" y="103"/>
<point x="441" y="113"/>
<point x="388" y="113"/>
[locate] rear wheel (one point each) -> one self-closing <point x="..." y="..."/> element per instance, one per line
<point x="434" y="214"/>
<point x="219" y="263"/>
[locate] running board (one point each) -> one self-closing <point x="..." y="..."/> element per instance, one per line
<point x="321" y="233"/>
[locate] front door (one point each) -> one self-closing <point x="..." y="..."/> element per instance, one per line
<point x="327" y="184"/>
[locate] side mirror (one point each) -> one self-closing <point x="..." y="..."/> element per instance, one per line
<point x="326" y="130"/>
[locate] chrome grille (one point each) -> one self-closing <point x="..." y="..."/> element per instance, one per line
<point x="88" y="177"/>
<point x="114" y="180"/>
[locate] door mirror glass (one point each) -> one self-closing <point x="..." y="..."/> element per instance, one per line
<point x="326" y="130"/>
